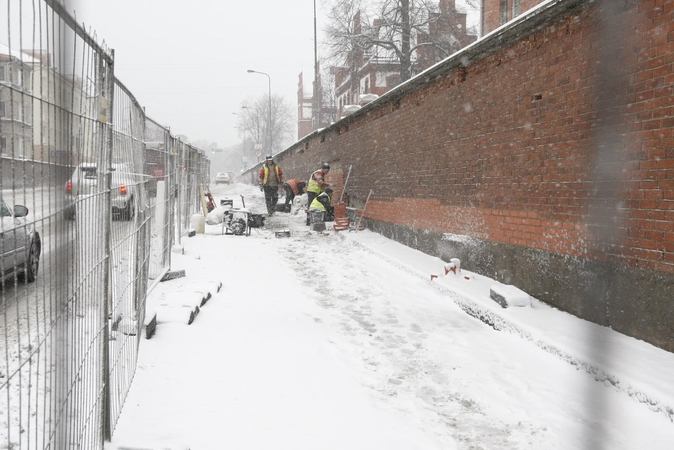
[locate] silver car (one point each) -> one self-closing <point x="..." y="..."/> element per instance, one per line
<point x="20" y="244"/>
<point x="84" y="183"/>
<point x="223" y="178"/>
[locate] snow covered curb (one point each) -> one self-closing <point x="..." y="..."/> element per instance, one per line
<point x="487" y="314"/>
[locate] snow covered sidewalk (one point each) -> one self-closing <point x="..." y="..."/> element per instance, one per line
<point x="343" y="340"/>
<point x="634" y="367"/>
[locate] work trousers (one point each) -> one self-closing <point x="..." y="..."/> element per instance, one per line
<point x="290" y="196"/>
<point x="271" y="198"/>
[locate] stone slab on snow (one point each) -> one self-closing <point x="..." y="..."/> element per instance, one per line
<point x="508" y="295"/>
<point x="179" y="306"/>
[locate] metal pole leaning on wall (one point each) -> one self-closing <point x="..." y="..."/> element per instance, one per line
<point x="364" y="208"/>
<point x="345" y="183"/>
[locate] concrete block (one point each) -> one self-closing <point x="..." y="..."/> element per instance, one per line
<point x="508" y="295"/>
<point x="173" y="275"/>
<point x="179" y="306"/>
<point x="150" y="324"/>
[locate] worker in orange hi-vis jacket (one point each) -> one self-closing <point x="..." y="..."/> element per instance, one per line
<point x="292" y="187"/>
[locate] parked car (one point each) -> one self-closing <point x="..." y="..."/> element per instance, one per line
<point x="223" y="178"/>
<point x="84" y="182"/>
<point x="20" y="244"/>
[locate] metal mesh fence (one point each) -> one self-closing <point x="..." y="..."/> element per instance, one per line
<point x="93" y="196"/>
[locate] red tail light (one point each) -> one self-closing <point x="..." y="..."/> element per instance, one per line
<point x="69" y="187"/>
<point x="122" y="189"/>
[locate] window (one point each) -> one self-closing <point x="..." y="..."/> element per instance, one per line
<point x="516" y="8"/>
<point x="2" y="73"/>
<point x="2" y="109"/>
<point x="4" y="210"/>
<point x="504" y="11"/>
<point x="365" y="84"/>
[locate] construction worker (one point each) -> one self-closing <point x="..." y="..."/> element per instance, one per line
<point x="322" y="202"/>
<point x="271" y="177"/>
<point x="317" y="185"/>
<point x="292" y="187"/>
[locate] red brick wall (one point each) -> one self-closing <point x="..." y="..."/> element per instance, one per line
<point x="553" y="138"/>
<point x="506" y="148"/>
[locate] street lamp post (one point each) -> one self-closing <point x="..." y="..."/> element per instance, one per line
<point x="318" y="94"/>
<point x="270" y="128"/>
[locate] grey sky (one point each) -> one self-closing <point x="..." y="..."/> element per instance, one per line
<point x="186" y="61"/>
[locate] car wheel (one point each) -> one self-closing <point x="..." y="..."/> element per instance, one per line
<point x="33" y="262"/>
<point x="130" y="211"/>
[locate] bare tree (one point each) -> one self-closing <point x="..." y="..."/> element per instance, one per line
<point x="400" y="28"/>
<point x="329" y="97"/>
<point x="342" y="34"/>
<point x="254" y="124"/>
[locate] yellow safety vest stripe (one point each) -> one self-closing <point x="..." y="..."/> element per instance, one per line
<point x="266" y="173"/>
<point x="316" y="204"/>
<point x="313" y="185"/>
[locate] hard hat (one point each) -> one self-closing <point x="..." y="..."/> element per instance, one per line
<point x="326" y="165"/>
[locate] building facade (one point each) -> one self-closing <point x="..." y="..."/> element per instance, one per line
<point x="376" y="70"/>
<point x="499" y="12"/>
<point x="16" y="118"/>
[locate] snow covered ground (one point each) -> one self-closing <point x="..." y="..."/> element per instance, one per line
<point x="345" y="341"/>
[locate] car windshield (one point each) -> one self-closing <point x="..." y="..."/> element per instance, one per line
<point x="89" y="173"/>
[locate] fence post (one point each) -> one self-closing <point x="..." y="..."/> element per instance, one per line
<point x="107" y="81"/>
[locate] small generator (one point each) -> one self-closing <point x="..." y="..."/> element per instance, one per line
<point x="236" y="221"/>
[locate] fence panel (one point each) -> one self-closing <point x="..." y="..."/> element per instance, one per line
<point x="54" y="332"/>
<point x="160" y="168"/>
<point x="93" y="196"/>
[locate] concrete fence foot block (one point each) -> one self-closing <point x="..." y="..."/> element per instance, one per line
<point x="173" y="275"/>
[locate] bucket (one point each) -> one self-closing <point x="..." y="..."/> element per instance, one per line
<point x="197" y="223"/>
<point x="316" y="216"/>
<point x="318" y="226"/>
